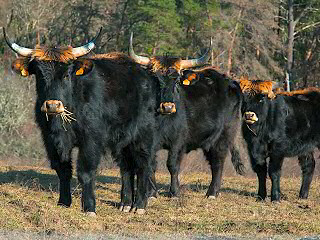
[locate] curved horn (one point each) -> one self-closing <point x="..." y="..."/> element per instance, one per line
<point x="138" y="59"/>
<point x="25" y="52"/>
<point x="199" y="61"/>
<point x="85" y="49"/>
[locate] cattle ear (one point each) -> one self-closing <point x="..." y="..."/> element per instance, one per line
<point x="189" y="78"/>
<point x="20" y="66"/>
<point x="83" y="67"/>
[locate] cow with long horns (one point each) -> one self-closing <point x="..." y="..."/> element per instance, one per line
<point x="208" y="113"/>
<point x="275" y="126"/>
<point x="93" y="103"/>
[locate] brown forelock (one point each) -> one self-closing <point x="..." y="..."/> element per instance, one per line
<point x="300" y="91"/>
<point x="256" y="86"/>
<point x="60" y="54"/>
<point x="246" y="85"/>
<point x="163" y="63"/>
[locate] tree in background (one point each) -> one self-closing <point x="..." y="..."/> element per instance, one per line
<point x="250" y="38"/>
<point x="300" y="21"/>
<point x="156" y="26"/>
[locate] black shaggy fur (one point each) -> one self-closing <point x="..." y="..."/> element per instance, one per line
<point x="113" y="103"/>
<point x="287" y="126"/>
<point x="207" y="117"/>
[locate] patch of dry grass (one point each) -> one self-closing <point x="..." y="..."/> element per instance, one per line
<point x="28" y="198"/>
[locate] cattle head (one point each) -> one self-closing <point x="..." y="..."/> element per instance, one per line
<point x="50" y="67"/>
<point x="206" y="82"/>
<point x="167" y="69"/>
<point x="256" y="95"/>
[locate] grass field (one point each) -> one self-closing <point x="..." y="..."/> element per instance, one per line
<point x="28" y="198"/>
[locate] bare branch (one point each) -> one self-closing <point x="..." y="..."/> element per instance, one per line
<point x="306" y="27"/>
<point x="280" y="17"/>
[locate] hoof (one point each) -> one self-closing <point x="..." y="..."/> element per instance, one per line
<point x="140" y="211"/>
<point x="126" y="209"/>
<point x="214" y="196"/>
<point x="91" y="214"/>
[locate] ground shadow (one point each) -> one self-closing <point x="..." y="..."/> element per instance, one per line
<point x="204" y="188"/>
<point x="50" y="183"/>
<point x="46" y="182"/>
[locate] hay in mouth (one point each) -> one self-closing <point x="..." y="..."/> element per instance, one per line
<point x="66" y="117"/>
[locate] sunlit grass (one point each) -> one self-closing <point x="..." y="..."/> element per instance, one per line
<point x="28" y="198"/>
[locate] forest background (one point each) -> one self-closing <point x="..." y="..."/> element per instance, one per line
<point x="275" y="40"/>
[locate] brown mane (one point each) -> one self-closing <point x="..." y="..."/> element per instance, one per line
<point x="299" y="92"/>
<point x="114" y="56"/>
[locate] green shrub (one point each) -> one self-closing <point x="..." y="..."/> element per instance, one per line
<point x="19" y="136"/>
<point x="13" y="108"/>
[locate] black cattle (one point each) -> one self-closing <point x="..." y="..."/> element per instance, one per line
<point x="213" y="103"/>
<point x="204" y="115"/>
<point x="93" y="103"/>
<point x="277" y="126"/>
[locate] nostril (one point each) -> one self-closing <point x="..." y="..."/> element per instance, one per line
<point x="44" y="107"/>
<point x="50" y="106"/>
<point x="168" y="107"/>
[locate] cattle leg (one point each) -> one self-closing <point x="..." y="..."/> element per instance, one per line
<point x="88" y="160"/>
<point x="261" y="171"/>
<point x="152" y="188"/>
<point x="144" y="164"/>
<point x="64" y="172"/>
<point x="63" y="168"/>
<point x="144" y="178"/>
<point x="216" y="157"/>
<point x="307" y="164"/>
<point x="127" y="190"/>
<point x="275" y="165"/>
<point x="173" y="165"/>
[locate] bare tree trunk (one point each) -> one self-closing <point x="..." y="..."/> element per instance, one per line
<point x="232" y="43"/>
<point x="210" y="25"/>
<point x="291" y="26"/>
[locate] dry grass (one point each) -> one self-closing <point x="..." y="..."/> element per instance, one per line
<point x="28" y="198"/>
